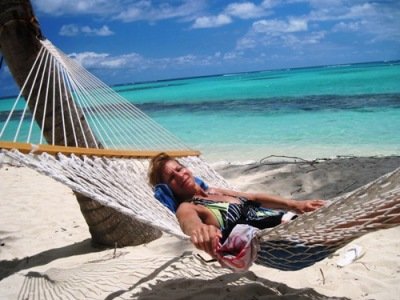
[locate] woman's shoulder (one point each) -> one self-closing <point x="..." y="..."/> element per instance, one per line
<point x="190" y="206"/>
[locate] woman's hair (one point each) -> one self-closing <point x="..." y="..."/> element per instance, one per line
<point x="156" y="167"/>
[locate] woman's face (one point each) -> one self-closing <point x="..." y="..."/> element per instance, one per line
<point x="179" y="179"/>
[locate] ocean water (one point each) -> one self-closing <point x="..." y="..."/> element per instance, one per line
<point x="318" y="112"/>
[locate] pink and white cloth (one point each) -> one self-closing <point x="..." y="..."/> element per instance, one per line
<point x="239" y="250"/>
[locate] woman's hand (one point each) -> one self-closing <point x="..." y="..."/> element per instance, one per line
<point x="206" y="237"/>
<point x="199" y="223"/>
<point x="303" y="206"/>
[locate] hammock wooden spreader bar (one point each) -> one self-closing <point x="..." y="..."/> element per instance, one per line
<point x="78" y="151"/>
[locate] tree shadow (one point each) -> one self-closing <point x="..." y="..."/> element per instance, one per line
<point x="228" y="286"/>
<point x="178" y="277"/>
<point x="9" y="267"/>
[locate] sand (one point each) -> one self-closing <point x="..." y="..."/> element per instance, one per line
<point x="46" y="252"/>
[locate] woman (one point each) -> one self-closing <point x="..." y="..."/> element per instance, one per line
<point x="208" y="214"/>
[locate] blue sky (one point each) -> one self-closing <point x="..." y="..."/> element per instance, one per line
<point x="124" y="41"/>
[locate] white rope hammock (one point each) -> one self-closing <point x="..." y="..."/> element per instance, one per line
<point x="122" y="183"/>
<point x="113" y="121"/>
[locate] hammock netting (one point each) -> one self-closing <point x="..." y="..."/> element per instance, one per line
<point x="70" y="93"/>
<point x="121" y="183"/>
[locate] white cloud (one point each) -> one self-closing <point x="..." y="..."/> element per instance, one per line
<point x="186" y="59"/>
<point x="244" y="10"/>
<point x="366" y="21"/>
<point x="102" y="31"/>
<point x="89" y="59"/>
<point x="93" y="60"/>
<point x="247" y="42"/>
<point x="212" y="21"/>
<point x="338" y="10"/>
<point x="131" y="60"/>
<point x="74" y="30"/>
<point x="123" y="10"/>
<point x="292" y="33"/>
<point x="270" y="3"/>
<point x="230" y="55"/>
<point x="241" y="10"/>
<point x="65" y="7"/>
<point x="348" y="26"/>
<point x="289" y="40"/>
<point x="146" y="10"/>
<point x="130" y="14"/>
<point x="363" y="10"/>
<point x="69" y="30"/>
<point x="276" y="27"/>
<point x="378" y="20"/>
<point x="293" y="41"/>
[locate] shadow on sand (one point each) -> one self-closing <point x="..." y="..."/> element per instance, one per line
<point x="9" y="267"/>
<point x="183" y="277"/>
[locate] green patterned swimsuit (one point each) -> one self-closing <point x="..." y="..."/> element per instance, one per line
<point x="245" y="212"/>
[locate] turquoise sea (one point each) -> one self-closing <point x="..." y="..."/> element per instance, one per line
<point x="312" y="112"/>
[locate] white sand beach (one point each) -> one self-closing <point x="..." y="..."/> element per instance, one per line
<point x="46" y="253"/>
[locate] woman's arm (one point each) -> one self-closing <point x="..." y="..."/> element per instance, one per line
<point x="278" y="202"/>
<point x="198" y="222"/>
<point x="299" y="206"/>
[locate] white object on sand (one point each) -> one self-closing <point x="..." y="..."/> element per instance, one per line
<point x="350" y="255"/>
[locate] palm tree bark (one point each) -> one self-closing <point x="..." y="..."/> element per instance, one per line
<point x="19" y="43"/>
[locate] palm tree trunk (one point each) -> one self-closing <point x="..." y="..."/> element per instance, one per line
<point x="19" y="44"/>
